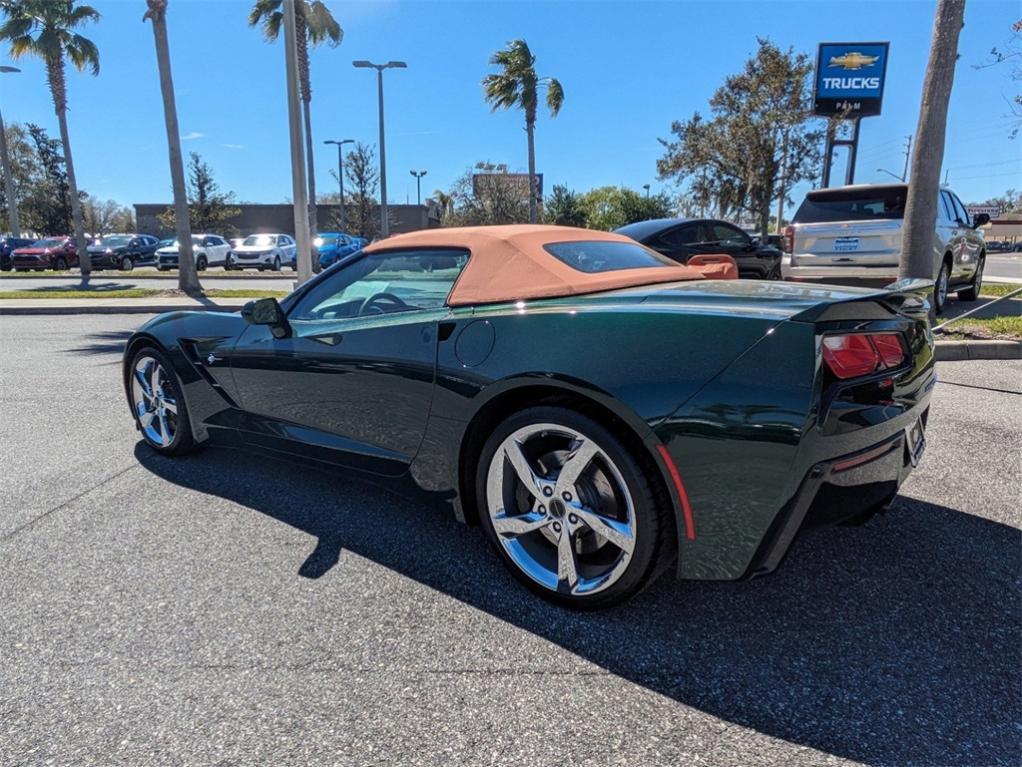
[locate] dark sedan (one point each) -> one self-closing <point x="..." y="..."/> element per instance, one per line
<point x="123" y="251"/>
<point x="682" y="238"/>
<point x="7" y="246"/>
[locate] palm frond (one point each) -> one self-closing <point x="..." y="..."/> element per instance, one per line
<point x="554" y="95"/>
<point x="83" y="54"/>
<point x="21" y="46"/>
<point x="15" y="27"/>
<point x="262" y="10"/>
<point x="321" y="26"/>
<point x="501" y="91"/>
<point x="81" y="14"/>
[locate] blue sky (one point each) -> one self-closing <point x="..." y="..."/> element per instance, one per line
<point x="628" y="70"/>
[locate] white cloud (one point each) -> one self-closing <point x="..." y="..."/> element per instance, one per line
<point x="192" y="135"/>
<point x="233" y="146"/>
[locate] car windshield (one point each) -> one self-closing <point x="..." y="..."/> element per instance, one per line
<point x="591" y="257"/>
<point x="852" y="205"/>
<point x="260" y="239"/>
<point x="49" y="242"/>
<point x="115" y="241"/>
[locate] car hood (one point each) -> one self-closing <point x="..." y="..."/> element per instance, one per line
<point x="30" y="251"/>
<point x="104" y="249"/>
<point x="171" y="251"/>
<point x="254" y="248"/>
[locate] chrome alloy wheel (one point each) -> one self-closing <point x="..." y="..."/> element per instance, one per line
<point x="942" y="284"/>
<point x="155" y="406"/>
<point x="561" y="509"/>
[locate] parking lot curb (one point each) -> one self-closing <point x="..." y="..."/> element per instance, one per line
<point x="956" y="351"/>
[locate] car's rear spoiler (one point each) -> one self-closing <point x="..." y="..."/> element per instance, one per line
<point x="908" y="297"/>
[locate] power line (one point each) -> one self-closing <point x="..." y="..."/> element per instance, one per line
<point x="1017" y="161"/>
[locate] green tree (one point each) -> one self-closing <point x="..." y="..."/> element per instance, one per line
<point x="445" y="202"/>
<point x="106" y="216"/>
<point x="46" y="29"/>
<point x="360" y="170"/>
<point x="491" y="197"/>
<point x="50" y="196"/>
<point x="611" y="207"/>
<point x="314" y="25"/>
<point x="209" y="209"/>
<point x="517" y="86"/>
<point x="25" y="170"/>
<point x="760" y="140"/>
<point x="562" y="207"/>
<point x="640" y="207"/>
<point x="187" y="274"/>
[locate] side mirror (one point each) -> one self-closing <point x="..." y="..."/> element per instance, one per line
<point x="980" y="219"/>
<point x="267" y="311"/>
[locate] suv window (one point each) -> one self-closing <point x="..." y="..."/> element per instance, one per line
<point x="961" y="213"/>
<point x="384" y="283"/>
<point x="852" y="205"/>
<point x="723" y="234"/>
<point x="945" y="207"/>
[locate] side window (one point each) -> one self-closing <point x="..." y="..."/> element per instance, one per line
<point x="683" y="236"/>
<point x="728" y="235"/>
<point x="960" y="212"/>
<point x="945" y="208"/>
<point x="384" y="283"/>
<point x="208" y="241"/>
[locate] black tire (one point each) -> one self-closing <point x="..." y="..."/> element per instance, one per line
<point x="127" y="264"/>
<point x="276" y="263"/>
<point x="775" y="272"/>
<point x="654" y="542"/>
<point x="940" y="300"/>
<point x="60" y="264"/>
<point x="162" y="268"/>
<point x="229" y="263"/>
<point x="183" y="441"/>
<point x="971" y="293"/>
<point x="200" y="264"/>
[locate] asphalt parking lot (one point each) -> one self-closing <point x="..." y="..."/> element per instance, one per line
<point x="225" y="609"/>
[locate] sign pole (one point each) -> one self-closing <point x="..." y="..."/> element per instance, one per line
<point x="828" y="154"/>
<point x="853" y="151"/>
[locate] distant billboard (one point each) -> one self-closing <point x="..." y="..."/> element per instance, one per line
<point x="991" y="210"/>
<point x="519" y="181"/>
<point x="850" y="79"/>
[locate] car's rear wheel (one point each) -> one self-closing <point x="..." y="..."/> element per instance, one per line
<point x="159" y="409"/>
<point x="200" y="264"/>
<point x="127" y="264"/>
<point x="971" y="293"/>
<point x="276" y="263"/>
<point x="775" y="272"/>
<point x="570" y="510"/>
<point x="940" y="288"/>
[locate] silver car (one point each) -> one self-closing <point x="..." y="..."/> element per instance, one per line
<point x="264" y="251"/>
<point x="854" y="233"/>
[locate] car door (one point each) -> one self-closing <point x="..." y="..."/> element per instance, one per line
<point x="972" y="241"/>
<point x="354" y="381"/>
<point x="957" y="241"/>
<point x="722" y="237"/>
<point x="679" y="243"/>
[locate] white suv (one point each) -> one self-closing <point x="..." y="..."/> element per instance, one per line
<point x="208" y="250"/>
<point x="264" y="251"/>
<point x="854" y="233"/>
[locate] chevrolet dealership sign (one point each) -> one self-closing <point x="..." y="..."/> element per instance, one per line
<point x="850" y="79"/>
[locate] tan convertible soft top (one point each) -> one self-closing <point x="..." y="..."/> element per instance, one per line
<point x="508" y="263"/>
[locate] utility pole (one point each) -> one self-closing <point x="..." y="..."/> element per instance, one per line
<point x="340" y="174"/>
<point x="928" y="152"/>
<point x="783" y="180"/>
<point x="298" y="184"/>
<point x="5" y="162"/>
<point x="908" y="156"/>
<point x="418" y="184"/>
<point x="384" y="224"/>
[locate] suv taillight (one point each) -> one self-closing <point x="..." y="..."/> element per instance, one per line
<point x="859" y="354"/>
<point x="789" y="239"/>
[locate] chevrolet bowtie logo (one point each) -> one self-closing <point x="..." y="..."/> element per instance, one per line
<point x="853" y="60"/>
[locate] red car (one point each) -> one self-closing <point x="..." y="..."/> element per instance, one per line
<point x="56" y="253"/>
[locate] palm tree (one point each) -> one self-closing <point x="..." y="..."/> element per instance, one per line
<point x="313" y="25"/>
<point x="445" y="202"/>
<point x="517" y="85"/>
<point x="187" y="276"/>
<point x="45" y="28"/>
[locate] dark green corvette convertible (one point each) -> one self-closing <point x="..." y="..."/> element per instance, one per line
<point x="601" y="411"/>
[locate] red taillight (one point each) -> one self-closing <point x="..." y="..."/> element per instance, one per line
<point x="859" y="354"/>
<point x="789" y="238"/>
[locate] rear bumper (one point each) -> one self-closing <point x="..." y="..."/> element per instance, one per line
<point x="840" y="274"/>
<point x="835" y="491"/>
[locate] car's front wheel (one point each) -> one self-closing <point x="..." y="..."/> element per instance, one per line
<point x="127" y="264"/>
<point x="276" y="263"/>
<point x="159" y="409"/>
<point x="572" y="513"/>
<point x="940" y="288"/>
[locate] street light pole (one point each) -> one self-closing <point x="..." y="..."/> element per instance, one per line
<point x="5" y="162"/>
<point x="418" y="185"/>
<point x="340" y="174"/>
<point x="646" y="187"/>
<point x="384" y="226"/>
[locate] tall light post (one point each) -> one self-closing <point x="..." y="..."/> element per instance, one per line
<point x="418" y="184"/>
<point x="646" y="187"/>
<point x="384" y="227"/>
<point x="5" y="162"/>
<point x="340" y="174"/>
